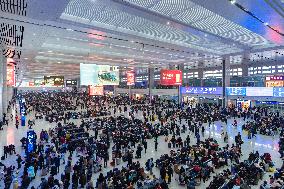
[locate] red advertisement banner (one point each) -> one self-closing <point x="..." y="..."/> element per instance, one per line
<point x="130" y="78"/>
<point x="11" y="80"/>
<point x="171" y="77"/>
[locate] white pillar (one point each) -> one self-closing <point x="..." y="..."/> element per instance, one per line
<point x="225" y="78"/>
<point x="2" y="62"/>
<point x="151" y="82"/>
<point x="5" y="91"/>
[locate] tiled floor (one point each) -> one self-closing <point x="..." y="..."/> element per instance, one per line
<point x="10" y="135"/>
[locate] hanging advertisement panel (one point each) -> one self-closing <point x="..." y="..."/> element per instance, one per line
<point x="171" y="77"/>
<point x="11" y="79"/>
<point x="130" y="78"/>
<point x="54" y="81"/>
<point x="89" y="74"/>
<point x="108" y="75"/>
<point x="96" y="90"/>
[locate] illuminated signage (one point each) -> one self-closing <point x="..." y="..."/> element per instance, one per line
<point x="89" y="74"/>
<point x="171" y="77"/>
<point x="54" y="81"/>
<point x="96" y="90"/>
<point x="108" y="75"/>
<point x="92" y="74"/>
<point x="11" y="78"/>
<point x="202" y="90"/>
<point x="275" y="78"/>
<point x="259" y="91"/>
<point x="71" y="83"/>
<point x="31" y="142"/>
<point x="130" y="78"/>
<point x="236" y="91"/>
<point x="278" y="91"/>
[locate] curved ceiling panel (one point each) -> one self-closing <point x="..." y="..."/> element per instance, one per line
<point x="112" y="17"/>
<point x="205" y="20"/>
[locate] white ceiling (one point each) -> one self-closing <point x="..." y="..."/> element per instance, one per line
<point x="59" y="35"/>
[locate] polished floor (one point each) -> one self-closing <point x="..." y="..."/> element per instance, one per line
<point x="262" y="144"/>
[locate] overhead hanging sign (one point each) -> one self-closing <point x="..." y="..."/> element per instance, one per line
<point x="89" y="74"/>
<point x="171" y="77"/>
<point x="202" y="90"/>
<point x="92" y="74"/>
<point x="108" y="75"/>
<point x="130" y="78"/>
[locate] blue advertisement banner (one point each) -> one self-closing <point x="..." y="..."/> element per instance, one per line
<point x="202" y="90"/>
<point x="236" y="91"/>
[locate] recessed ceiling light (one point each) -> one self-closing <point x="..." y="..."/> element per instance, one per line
<point x="26" y="58"/>
<point x="265" y="23"/>
<point x="69" y="29"/>
<point x="59" y="62"/>
<point x="49" y="51"/>
<point x="233" y="1"/>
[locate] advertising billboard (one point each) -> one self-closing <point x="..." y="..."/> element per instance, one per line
<point x="71" y="83"/>
<point x="89" y="74"/>
<point x="39" y="83"/>
<point x="108" y="75"/>
<point x="92" y="74"/>
<point x="54" y="81"/>
<point x="96" y="90"/>
<point x="171" y="77"/>
<point x="130" y="78"/>
<point x="11" y="79"/>
<point x="202" y="90"/>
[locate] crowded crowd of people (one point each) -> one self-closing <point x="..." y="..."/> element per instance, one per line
<point x="102" y="147"/>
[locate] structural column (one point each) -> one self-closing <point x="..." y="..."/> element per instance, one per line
<point x="200" y="73"/>
<point x="2" y="62"/>
<point x="180" y="67"/>
<point x="245" y="65"/>
<point x="151" y="82"/>
<point x="225" y="78"/>
<point x="5" y="88"/>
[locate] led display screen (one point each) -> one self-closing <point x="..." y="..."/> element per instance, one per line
<point x="236" y="91"/>
<point x="202" y="90"/>
<point x="278" y="91"/>
<point x="96" y="90"/>
<point x="130" y="78"/>
<point x="89" y="74"/>
<point x="171" y="77"/>
<point x="259" y="91"/>
<point x="11" y="78"/>
<point x="71" y="83"/>
<point x="108" y="75"/>
<point x="54" y="81"/>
